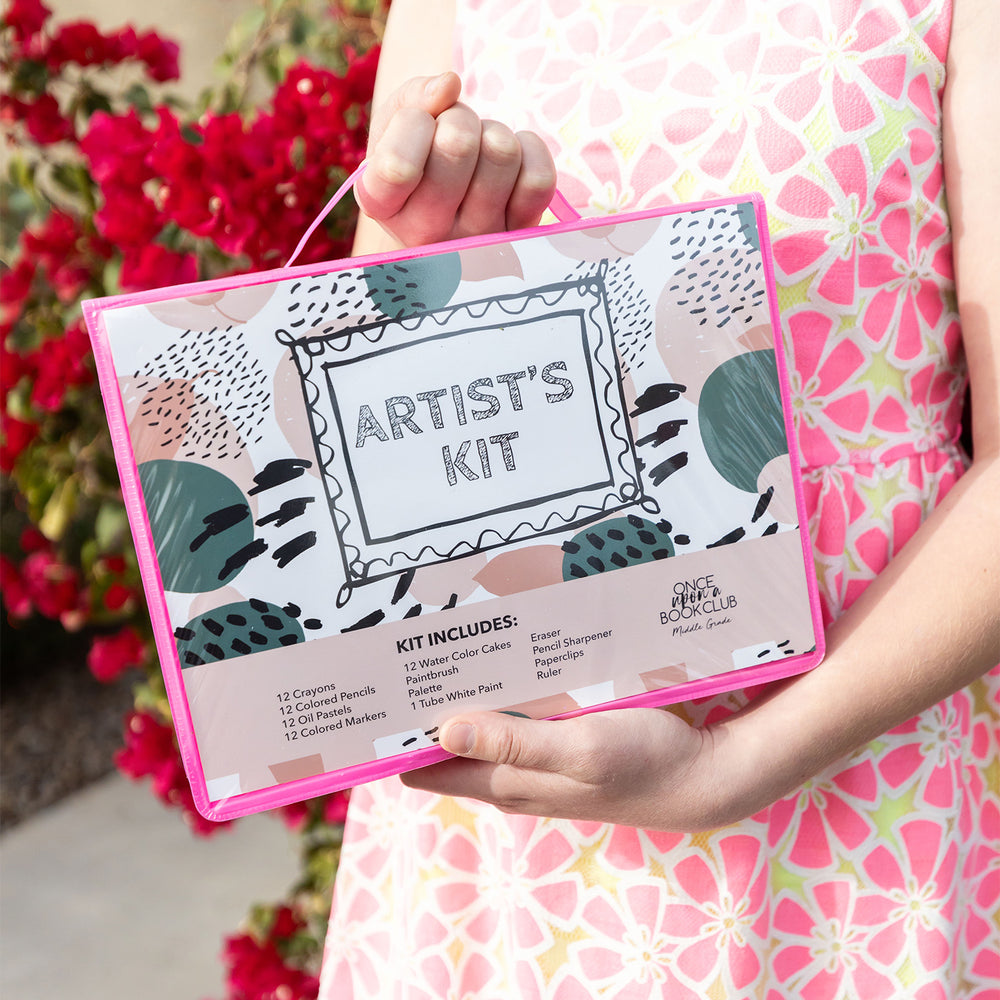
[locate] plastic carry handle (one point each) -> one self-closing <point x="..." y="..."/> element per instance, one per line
<point x="559" y="207"/>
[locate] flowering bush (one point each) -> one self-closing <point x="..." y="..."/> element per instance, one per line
<point x="116" y="185"/>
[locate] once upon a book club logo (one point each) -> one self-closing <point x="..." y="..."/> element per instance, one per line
<point x="698" y="603"/>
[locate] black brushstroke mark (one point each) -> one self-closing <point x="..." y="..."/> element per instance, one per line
<point x="656" y="396"/>
<point x="402" y="585"/>
<point x="312" y="624"/>
<point x="217" y="651"/>
<point x="765" y="499"/>
<point x="193" y="659"/>
<point x="734" y="536"/>
<point x="257" y="639"/>
<point x="668" y="468"/>
<point x="292" y="610"/>
<point x="219" y="521"/>
<point x="771" y="529"/>
<point x="288" y="511"/>
<point x="412" y="739"/>
<point x="258" y="605"/>
<point x="282" y="470"/>
<point x="241" y="647"/>
<point x="239" y="559"/>
<point x="289" y="639"/>
<point x="284" y="554"/>
<point x="238" y="620"/>
<point x="184" y="634"/>
<point x="666" y="431"/>
<point x="595" y="540"/>
<point x="213" y="626"/>
<point x="570" y="547"/>
<point x="367" y="622"/>
<point x="682" y="539"/>
<point x="452" y="602"/>
<point x="273" y="622"/>
<point x="415" y="611"/>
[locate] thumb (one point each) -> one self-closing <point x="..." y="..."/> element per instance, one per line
<point x="512" y="740"/>
<point x="432" y="94"/>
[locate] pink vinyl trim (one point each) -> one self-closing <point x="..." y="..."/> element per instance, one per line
<point x="135" y="508"/>
<point x="250" y="802"/>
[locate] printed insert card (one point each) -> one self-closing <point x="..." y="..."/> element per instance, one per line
<point x="373" y="426"/>
<point x="542" y="472"/>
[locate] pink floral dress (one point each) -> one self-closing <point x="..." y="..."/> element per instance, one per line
<point x="879" y="878"/>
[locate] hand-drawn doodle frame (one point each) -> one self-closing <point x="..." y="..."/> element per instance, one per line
<point x="307" y="353"/>
<point x="506" y="508"/>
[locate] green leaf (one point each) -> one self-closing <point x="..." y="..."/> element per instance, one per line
<point x="72" y="177"/>
<point x="111" y="278"/>
<point x="59" y="510"/>
<point x="110" y="527"/>
<point x="138" y="96"/>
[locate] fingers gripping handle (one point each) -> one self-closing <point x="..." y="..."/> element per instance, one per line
<point x="559" y="207"/>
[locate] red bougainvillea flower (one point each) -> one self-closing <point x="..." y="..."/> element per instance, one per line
<point x="60" y="364"/>
<point x="15" y="287"/>
<point x="161" y="56"/>
<point x="153" y="265"/>
<point x="335" y="808"/>
<point x="257" y="970"/>
<point x="53" y="587"/>
<point x="16" y="598"/>
<point x="26" y="18"/>
<point x="64" y="253"/>
<point x="116" y="147"/>
<point x="79" y="42"/>
<point x="117" y="596"/>
<point x="42" y="118"/>
<point x="15" y="436"/>
<point x="294" y="815"/>
<point x="151" y="751"/>
<point x="111" y="655"/>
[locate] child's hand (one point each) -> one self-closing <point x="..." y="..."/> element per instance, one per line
<point x="436" y="171"/>
<point x="641" y="767"/>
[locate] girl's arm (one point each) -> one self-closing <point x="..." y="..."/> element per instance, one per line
<point x="929" y="624"/>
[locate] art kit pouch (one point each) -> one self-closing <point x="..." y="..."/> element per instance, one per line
<point x="544" y="472"/>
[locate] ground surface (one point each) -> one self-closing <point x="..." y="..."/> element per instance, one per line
<point x="59" y="728"/>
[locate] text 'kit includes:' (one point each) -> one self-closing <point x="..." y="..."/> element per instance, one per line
<point x="543" y="472"/>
